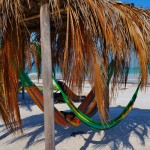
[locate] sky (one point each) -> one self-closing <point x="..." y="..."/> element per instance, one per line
<point x="139" y="3"/>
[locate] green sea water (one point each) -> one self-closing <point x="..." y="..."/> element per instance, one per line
<point x="133" y="76"/>
<point x="132" y="71"/>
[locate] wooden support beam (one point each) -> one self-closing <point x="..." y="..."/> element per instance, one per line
<point x="31" y="18"/>
<point x="47" y="76"/>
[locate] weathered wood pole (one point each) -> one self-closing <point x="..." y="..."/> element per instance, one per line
<point x="47" y="76"/>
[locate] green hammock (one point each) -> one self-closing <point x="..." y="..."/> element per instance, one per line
<point x="88" y="106"/>
<point x="89" y="121"/>
<point x="95" y="124"/>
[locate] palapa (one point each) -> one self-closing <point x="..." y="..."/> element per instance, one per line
<point x="85" y="34"/>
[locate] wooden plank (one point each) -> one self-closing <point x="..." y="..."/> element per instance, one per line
<point x="31" y="18"/>
<point x="47" y="77"/>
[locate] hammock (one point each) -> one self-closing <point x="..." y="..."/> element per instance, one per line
<point x="95" y="124"/>
<point x="88" y="106"/>
<point x="90" y="122"/>
<point x="69" y="119"/>
<point x="64" y="87"/>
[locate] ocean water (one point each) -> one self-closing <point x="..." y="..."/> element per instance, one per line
<point x="133" y="75"/>
<point x="33" y="72"/>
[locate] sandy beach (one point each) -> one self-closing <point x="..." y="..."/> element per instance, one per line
<point x="131" y="133"/>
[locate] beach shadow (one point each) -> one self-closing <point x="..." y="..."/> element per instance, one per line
<point x="33" y="123"/>
<point x="137" y="123"/>
<point x="26" y="103"/>
<point x="5" y="134"/>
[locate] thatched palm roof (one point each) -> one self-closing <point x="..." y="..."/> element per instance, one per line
<point x="85" y="34"/>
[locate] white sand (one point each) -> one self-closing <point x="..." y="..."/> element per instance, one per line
<point x="132" y="133"/>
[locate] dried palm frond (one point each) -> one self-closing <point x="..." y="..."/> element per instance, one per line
<point x="3" y="111"/>
<point x="36" y="58"/>
<point x="84" y="36"/>
<point x="5" y="115"/>
<point x="11" y="60"/>
<point x="120" y="28"/>
<point x="28" y="57"/>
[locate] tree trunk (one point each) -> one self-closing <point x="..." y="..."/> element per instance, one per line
<point x="47" y="76"/>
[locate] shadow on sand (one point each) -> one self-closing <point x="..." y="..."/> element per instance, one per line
<point x="26" y="103"/>
<point x="137" y="122"/>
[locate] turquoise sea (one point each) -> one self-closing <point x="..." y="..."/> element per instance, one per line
<point x="135" y="70"/>
<point x="133" y="75"/>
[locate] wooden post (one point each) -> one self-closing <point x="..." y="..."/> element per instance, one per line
<point x="47" y="76"/>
